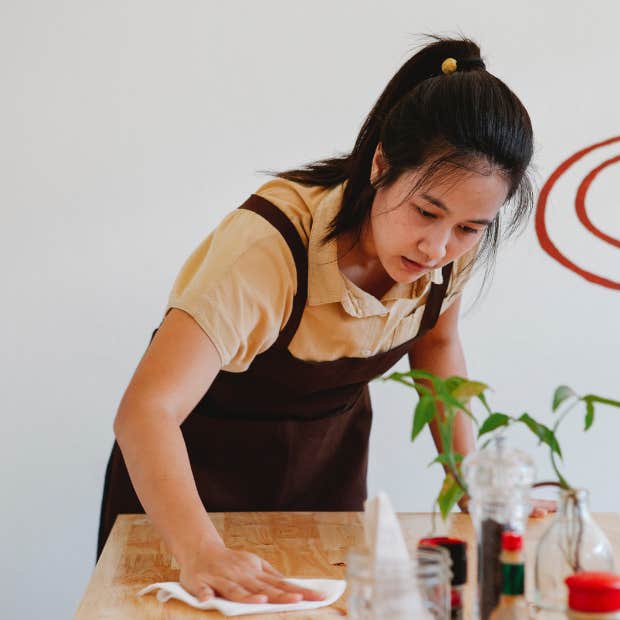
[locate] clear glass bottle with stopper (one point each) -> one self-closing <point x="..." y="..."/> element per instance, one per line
<point x="573" y="543"/>
<point x="512" y="603"/>
<point x="499" y="480"/>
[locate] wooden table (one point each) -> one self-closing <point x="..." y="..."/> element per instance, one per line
<point x="300" y="544"/>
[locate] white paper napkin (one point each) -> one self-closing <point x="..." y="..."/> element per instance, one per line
<point x="397" y="597"/>
<point x="332" y="588"/>
<point x="383" y="535"/>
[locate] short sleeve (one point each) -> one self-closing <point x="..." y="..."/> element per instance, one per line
<point x="238" y="285"/>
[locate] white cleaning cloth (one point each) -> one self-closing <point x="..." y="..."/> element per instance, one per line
<point x="332" y="588"/>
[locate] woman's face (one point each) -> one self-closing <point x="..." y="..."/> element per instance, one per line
<point x="413" y="233"/>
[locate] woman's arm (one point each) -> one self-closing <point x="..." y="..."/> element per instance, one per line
<point x="173" y="375"/>
<point x="439" y="351"/>
<point x="176" y="370"/>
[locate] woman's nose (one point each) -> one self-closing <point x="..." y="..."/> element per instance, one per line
<point x="434" y="246"/>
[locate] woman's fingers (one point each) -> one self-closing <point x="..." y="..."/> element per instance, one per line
<point x="242" y="577"/>
<point x="236" y="592"/>
<point x="549" y="505"/>
<point x="268" y="568"/>
<point x="274" y="593"/>
<point x="542" y="507"/>
<point x="203" y="593"/>
<point x="307" y="594"/>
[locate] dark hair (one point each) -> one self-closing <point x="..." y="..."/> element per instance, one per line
<point x="434" y="121"/>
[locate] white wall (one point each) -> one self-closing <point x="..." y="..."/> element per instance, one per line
<point x="127" y="130"/>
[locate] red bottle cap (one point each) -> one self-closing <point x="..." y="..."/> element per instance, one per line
<point x="596" y="592"/>
<point x="511" y="541"/>
<point x="441" y="541"/>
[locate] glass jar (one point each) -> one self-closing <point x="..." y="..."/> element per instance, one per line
<point x="457" y="550"/>
<point x="499" y="480"/>
<point x="572" y="543"/>
<point x="434" y="579"/>
<point x="399" y="589"/>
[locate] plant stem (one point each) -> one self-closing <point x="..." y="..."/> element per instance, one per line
<point x="445" y="422"/>
<point x="563" y="415"/>
<point x="599" y="399"/>
<point x="562" y="481"/>
<point x="457" y="477"/>
<point x="547" y="483"/>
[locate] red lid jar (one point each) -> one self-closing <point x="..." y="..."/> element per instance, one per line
<point x="593" y="595"/>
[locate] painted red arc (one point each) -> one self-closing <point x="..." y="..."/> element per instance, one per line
<point x="580" y="203"/>
<point x="541" y="229"/>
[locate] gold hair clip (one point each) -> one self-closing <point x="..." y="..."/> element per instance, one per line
<point x="448" y="66"/>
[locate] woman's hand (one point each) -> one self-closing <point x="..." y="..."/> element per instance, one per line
<point x="542" y="507"/>
<point x="239" y="576"/>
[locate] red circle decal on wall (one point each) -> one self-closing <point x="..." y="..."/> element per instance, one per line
<point x="580" y="208"/>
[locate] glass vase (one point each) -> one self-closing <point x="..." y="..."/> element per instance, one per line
<point x="572" y="543"/>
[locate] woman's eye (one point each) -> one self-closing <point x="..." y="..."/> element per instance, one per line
<point x="469" y="230"/>
<point x="425" y="213"/>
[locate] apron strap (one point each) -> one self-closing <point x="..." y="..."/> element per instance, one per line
<point x="434" y="301"/>
<point x="286" y="228"/>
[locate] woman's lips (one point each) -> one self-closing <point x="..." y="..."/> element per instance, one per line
<point x="412" y="266"/>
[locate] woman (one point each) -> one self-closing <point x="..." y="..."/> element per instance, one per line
<point x="253" y="392"/>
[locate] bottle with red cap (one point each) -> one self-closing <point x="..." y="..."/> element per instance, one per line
<point x="457" y="549"/>
<point x="512" y="604"/>
<point x="593" y="596"/>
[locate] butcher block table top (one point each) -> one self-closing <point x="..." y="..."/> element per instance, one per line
<point x="299" y="544"/>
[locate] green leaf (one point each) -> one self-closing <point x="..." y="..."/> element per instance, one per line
<point x="560" y="395"/>
<point x="469" y="389"/>
<point x="453" y="382"/>
<point x="401" y="377"/>
<point x="446" y="459"/>
<point x="424" y="413"/>
<point x="495" y="420"/>
<point x="447" y="398"/>
<point x="422" y="374"/>
<point x="544" y="433"/>
<point x="405" y="379"/>
<point x="589" y="414"/>
<point x="483" y="399"/>
<point x="450" y="494"/>
<point x="423" y="390"/>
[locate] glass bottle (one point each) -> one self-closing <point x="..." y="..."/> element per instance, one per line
<point x="512" y="604"/>
<point x="572" y="543"/>
<point x="499" y="480"/>
<point x="399" y="589"/>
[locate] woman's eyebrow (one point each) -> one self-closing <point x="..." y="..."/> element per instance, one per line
<point x="442" y="206"/>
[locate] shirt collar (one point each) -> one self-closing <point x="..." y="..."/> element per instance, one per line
<point x="327" y="284"/>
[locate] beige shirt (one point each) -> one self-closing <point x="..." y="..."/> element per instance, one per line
<point x="239" y="284"/>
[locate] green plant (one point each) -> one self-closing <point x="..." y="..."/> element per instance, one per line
<point x="441" y="399"/>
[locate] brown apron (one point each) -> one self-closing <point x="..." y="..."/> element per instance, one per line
<point x="286" y="434"/>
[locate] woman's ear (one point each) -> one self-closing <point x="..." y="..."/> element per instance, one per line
<point x="377" y="168"/>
